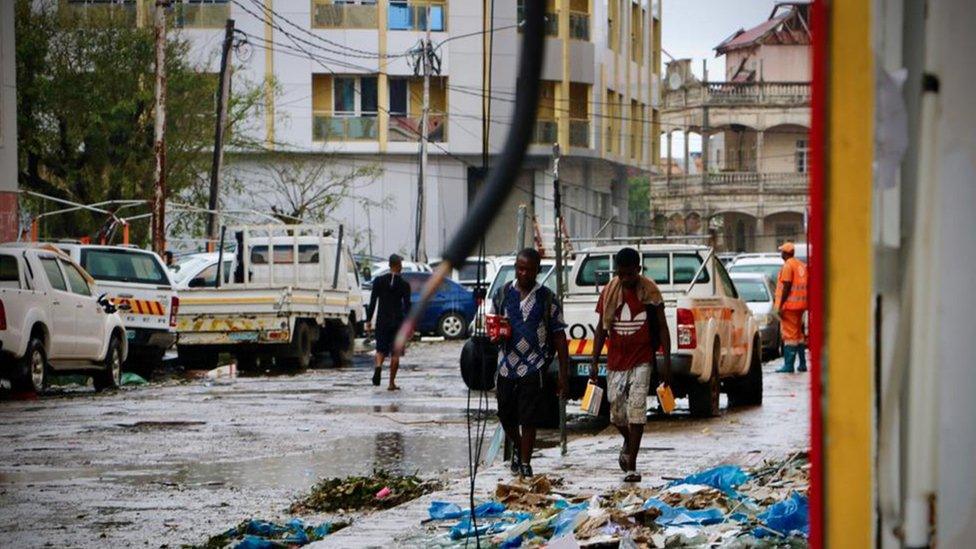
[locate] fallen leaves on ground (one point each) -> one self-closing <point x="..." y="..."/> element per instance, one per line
<point x="357" y="493"/>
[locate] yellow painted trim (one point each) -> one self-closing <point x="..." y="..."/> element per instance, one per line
<point x="219" y="300"/>
<point x="269" y="106"/>
<point x="848" y="367"/>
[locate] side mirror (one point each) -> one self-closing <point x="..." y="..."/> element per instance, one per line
<point x="106" y="304"/>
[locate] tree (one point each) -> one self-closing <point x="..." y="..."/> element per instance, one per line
<point x="85" y="113"/>
<point x="639" y="204"/>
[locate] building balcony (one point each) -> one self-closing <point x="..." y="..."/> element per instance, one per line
<point x="730" y="183"/>
<point x="546" y="132"/>
<point x="579" y="133"/>
<point x="91" y="12"/>
<point x="329" y="15"/>
<point x="407" y="128"/>
<point x="579" y="24"/>
<point x="202" y="15"/>
<point x="404" y="15"/>
<point x="732" y="94"/>
<point x="332" y="126"/>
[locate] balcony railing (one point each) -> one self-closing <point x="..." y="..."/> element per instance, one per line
<point x="551" y="24"/>
<point x="721" y="94"/>
<point x="116" y="12"/>
<point x="201" y="15"/>
<point x="403" y="15"/>
<point x="732" y="183"/>
<point x="546" y="132"/>
<point x="331" y="126"/>
<point x="326" y="15"/>
<point x="407" y="128"/>
<point x="579" y="25"/>
<point x="579" y="133"/>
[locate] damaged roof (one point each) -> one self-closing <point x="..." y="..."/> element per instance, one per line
<point x="787" y="24"/>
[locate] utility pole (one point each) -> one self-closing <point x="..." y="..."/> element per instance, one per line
<point x="557" y="231"/>
<point x="223" y="97"/>
<point x="159" y="132"/>
<point x="420" y="246"/>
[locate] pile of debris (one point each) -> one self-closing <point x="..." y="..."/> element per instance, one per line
<point x="725" y="506"/>
<point x="381" y="490"/>
<point x="259" y="534"/>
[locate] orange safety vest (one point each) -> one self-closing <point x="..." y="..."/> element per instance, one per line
<point x="795" y="272"/>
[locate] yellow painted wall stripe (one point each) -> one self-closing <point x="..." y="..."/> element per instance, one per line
<point x="847" y="412"/>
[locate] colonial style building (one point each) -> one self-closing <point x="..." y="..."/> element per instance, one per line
<point x="752" y="187"/>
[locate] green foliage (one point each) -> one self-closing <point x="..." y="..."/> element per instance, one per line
<point x="639" y="203"/>
<point x="354" y="493"/>
<point x="85" y="113"/>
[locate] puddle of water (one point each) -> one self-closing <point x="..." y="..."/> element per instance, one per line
<point x="392" y="451"/>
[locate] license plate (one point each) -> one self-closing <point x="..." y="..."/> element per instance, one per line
<point x="131" y="334"/>
<point x="243" y="336"/>
<point x="583" y="370"/>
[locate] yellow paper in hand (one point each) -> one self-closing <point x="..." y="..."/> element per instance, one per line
<point x="666" y="398"/>
<point x="592" y="399"/>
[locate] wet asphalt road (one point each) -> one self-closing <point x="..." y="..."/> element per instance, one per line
<point x="173" y="463"/>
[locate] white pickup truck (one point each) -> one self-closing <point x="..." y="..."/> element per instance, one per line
<point x="52" y="321"/>
<point x="714" y="338"/>
<point x="294" y="293"/>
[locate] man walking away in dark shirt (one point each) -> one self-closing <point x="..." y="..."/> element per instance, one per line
<point x="392" y="293"/>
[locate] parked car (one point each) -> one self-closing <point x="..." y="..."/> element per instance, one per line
<point x="467" y="275"/>
<point x="767" y="264"/>
<point x="449" y="311"/>
<point x="759" y="294"/>
<point x="506" y="274"/>
<point x="138" y="283"/>
<point x="727" y="257"/>
<point x="715" y="343"/>
<point x="380" y="268"/>
<point x="52" y="320"/>
<point x="200" y="270"/>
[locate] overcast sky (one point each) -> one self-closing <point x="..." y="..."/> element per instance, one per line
<point x="693" y="27"/>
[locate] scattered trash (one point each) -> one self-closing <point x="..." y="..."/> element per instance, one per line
<point x="351" y="493"/>
<point x="725" y="477"/>
<point x="383" y="493"/>
<point x="259" y="534"/>
<point x="790" y="517"/>
<point x="229" y="370"/>
<point x="131" y="378"/>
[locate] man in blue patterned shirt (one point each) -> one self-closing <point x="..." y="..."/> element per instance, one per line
<point x="537" y="333"/>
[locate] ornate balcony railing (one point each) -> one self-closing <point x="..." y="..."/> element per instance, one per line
<point x="731" y="183"/>
<point x="724" y="94"/>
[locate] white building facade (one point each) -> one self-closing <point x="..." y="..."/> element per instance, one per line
<point x="8" y="125"/>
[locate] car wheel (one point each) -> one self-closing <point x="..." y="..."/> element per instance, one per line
<point x="33" y="367"/>
<point x="298" y="355"/>
<point x="451" y="326"/>
<point x="110" y="377"/>
<point x="342" y="346"/>
<point x="703" y="398"/>
<point x="748" y="391"/>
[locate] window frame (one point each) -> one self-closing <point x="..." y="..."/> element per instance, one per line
<point x="44" y="259"/>
<point x="19" y="275"/>
<point x="68" y="267"/>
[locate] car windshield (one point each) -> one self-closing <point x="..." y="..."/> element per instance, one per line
<point x="506" y="274"/>
<point x="186" y="266"/>
<point x="753" y="291"/>
<point x="771" y="270"/>
<point x="124" y="266"/>
<point x="470" y="272"/>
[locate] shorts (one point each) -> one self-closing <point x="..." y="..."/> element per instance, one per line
<point x="627" y="391"/>
<point x="521" y="400"/>
<point x="385" y="336"/>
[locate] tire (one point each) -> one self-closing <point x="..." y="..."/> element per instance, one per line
<point x="298" y="355"/>
<point x="452" y="326"/>
<point x="343" y="341"/>
<point x="703" y="398"/>
<point x="748" y="391"/>
<point x="110" y="377"/>
<point x="247" y="362"/>
<point x="197" y="359"/>
<point x="32" y="368"/>
<point x="144" y="362"/>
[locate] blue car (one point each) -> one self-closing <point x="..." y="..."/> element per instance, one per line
<point x="450" y="310"/>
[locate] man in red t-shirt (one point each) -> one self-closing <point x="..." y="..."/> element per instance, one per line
<point x="631" y="311"/>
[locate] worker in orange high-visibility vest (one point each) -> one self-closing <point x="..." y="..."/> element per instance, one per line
<point x="791" y="304"/>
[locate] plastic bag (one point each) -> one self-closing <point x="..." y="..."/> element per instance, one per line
<point x="790" y="516"/>
<point x="724" y="477"/>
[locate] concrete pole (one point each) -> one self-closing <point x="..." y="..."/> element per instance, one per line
<point x="221" y="123"/>
<point x="420" y="246"/>
<point x="159" y="131"/>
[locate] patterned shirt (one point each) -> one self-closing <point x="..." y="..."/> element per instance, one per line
<point x="526" y="350"/>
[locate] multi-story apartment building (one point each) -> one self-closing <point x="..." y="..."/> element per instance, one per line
<point x="347" y="89"/>
<point x="8" y="125"/>
<point x="754" y="123"/>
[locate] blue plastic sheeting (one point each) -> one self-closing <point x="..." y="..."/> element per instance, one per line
<point x="790" y="516"/>
<point x="724" y="477"/>
<point x="566" y="521"/>
<point x="464" y="529"/>
<point x="442" y="510"/>
<point x="262" y="534"/>
<point x="680" y="516"/>
<point x="254" y="542"/>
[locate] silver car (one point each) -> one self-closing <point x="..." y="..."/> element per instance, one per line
<point x="759" y="294"/>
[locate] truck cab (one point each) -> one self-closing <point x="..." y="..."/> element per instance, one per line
<point x="714" y="338"/>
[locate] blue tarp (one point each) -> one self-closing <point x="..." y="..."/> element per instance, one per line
<point x="260" y="534"/>
<point x="464" y="529"/>
<point x="724" y="477"/>
<point x="565" y="522"/>
<point x="442" y="510"/>
<point x="790" y="516"/>
<point x="680" y="516"/>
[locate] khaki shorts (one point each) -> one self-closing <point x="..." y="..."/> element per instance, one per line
<point x="627" y="392"/>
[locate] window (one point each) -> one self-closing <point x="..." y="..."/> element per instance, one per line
<point x="353" y="95"/>
<point x="398" y="97"/>
<point x="802" y="156"/>
<point x="124" y="266"/>
<point x="9" y="272"/>
<point x="595" y="271"/>
<point x="753" y="291"/>
<point x="404" y="15"/>
<point x="53" y="273"/>
<point x="656" y="268"/>
<point x="771" y="270"/>
<point x="685" y="267"/>
<point x="285" y="253"/>
<point x="344" y="95"/>
<point x="723" y="275"/>
<point x="77" y="280"/>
